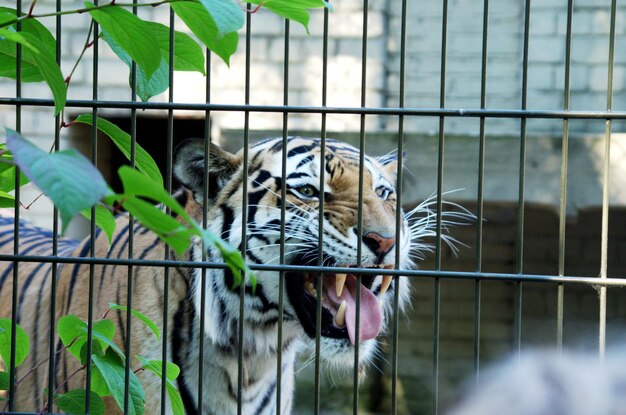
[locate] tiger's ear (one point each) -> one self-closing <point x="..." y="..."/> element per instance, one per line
<point x="190" y="162"/>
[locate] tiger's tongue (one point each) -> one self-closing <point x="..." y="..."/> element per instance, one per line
<point x="370" y="318"/>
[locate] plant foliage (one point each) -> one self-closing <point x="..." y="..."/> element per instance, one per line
<point x="28" y="54"/>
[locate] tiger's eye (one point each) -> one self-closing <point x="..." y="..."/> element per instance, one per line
<point x="383" y="192"/>
<point x="307" y="191"/>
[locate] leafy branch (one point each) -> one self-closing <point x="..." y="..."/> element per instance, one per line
<point x="31" y="15"/>
<point x="107" y="360"/>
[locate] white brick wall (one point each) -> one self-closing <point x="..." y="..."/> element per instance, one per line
<point x="463" y="70"/>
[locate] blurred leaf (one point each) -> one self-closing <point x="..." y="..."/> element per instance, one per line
<point x="200" y="22"/>
<point x="144" y="162"/>
<point x="131" y="33"/>
<point x="113" y="373"/>
<point x="105" y="220"/>
<point x="66" y="177"/>
<point x="146" y="320"/>
<point x="73" y="402"/>
<point x="22" y="343"/>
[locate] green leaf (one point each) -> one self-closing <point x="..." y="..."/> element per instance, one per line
<point x="106" y="340"/>
<point x="6" y="200"/>
<point x="73" y="330"/>
<point x="156" y="367"/>
<point x="173" y="371"/>
<point x="146" y="320"/>
<point x="200" y="22"/>
<point x="105" y="220"/>
<point x="73" y="402"/>
<point x="130" y="33"/>
<point x="188" y="56"/>
<point x="232" y="256"/>
<point x="226" y="14"/>
<point x="8" y="50"/>
<point x="296" y="10"/>
<point x="113" y="372"/>
<point x="137" y="184"/>
<point x="66" y="177"/>
<point x="22" y="343"/>
<point x="7" y="170"/>
<point x="98" y="384"/>
<point x="7" y="179"/>
<point x="95" y="349"/>
<point x="144" y="162"/>
<point x="43" y="60"/>
<point x="6" y="15"/>
<point x="4" y="381"/>
<point x="172" y="232"/>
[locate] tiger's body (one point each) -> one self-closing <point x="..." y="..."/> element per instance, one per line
<point x="261" y="308"/>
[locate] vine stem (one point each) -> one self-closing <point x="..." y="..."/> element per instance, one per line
<point x="88" y="44"/>
<point x="32" y="370"/>
<point x="32" y="7"/>
<point x="74" y="373"/>
<point x="88" y="9"/>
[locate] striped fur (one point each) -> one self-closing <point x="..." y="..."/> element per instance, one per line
<point x="261" y="310"/>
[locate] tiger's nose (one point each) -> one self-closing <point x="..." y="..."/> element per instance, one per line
<point x="379" y="244"/>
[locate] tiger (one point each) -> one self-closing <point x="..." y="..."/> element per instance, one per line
<point x="351" y="218"/>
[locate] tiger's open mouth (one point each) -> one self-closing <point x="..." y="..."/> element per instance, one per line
<point x="339" y="308"/>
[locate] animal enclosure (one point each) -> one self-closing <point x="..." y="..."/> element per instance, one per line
<point x="513" y="111"/>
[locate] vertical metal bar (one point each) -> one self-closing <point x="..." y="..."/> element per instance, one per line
<point x="16" y="228"/>
<point x="440" y="161"/>
<point x="92" y="250"/>
<point x="564" y="162"/>
<point x="55" y="239"/>
<point x="480" y="193"/>
<point x="399" y="215"/>
<point x="244" y="212"/>
<point x="359" y="250"/>
<point x="605" y="187"/>
<point x="131" y="230"/>
<point x="283" y="205"/>
<point x="320" y="219"/>
<point x="205" y="206"/>
<point x="522" y="180"/>
<point x="168" y="187"/>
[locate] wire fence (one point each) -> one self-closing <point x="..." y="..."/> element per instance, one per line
<point x="443" y="113"/>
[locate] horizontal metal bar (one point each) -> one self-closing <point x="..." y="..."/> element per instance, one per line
<point x="613" y="282"/>
<point x="408" y="111"/>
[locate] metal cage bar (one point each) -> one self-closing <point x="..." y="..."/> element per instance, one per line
<point x="439" y="276"/>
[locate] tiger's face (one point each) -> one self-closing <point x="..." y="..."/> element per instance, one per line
<point x="357" y="229"/>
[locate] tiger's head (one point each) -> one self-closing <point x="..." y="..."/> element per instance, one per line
<point x="351" y="233"/>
